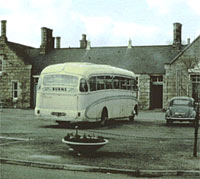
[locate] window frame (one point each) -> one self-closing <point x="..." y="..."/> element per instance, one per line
<point x="156" y="79"/>
<point x="195" y="81"/>
<point x="15" y="90"/>
<point x="83" y="86"/>
<point x="112" y="82"/>
<point x="195" y="78"/>
<point x="55" y="77"/>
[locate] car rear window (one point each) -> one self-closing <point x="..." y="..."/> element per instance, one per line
<point x="182" y="102"/>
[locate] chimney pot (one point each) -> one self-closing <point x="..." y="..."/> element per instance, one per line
<point x="3" y="29"/>
<point x="130" y="43"/>
<point x="57" y="42"/>
<point x="83" y="42"/>
<point x="88" y="45"/>
<point x="43" y="35"/>
<point x="188" y="41"/>
<point x="47" y="40"/>
<point x="83" y="36"/>
<point x="177" y="35"/>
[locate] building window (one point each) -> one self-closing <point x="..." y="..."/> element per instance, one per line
<point x="15" y="92"/>
<point x="195" y="79"/>
<point x="195" y="86"/>
<point x="157" y="80"/>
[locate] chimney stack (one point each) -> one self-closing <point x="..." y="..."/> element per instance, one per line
<point x="47" y="40"/>
<point x="83" y="42"/>
<point x="130" y="43"/>
<point x="177" y="36"/>
<point x="88" y="45"/>
<point x="57" y="42"/>
<point x="188" y="41"/>
<point x="3" y="30"/>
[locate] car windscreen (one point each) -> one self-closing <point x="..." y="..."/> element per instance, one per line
<point x="181" y="102"/>
<point x="60" y="80"/>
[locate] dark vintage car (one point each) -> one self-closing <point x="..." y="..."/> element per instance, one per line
<point x="181" y="109"/>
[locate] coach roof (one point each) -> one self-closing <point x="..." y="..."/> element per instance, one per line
<point x="85" y="69"/>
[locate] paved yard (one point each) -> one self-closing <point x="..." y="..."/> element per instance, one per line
<point x="146" y="143"/>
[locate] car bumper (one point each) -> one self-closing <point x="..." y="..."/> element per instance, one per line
<point x="180" y="119"/>
<point x="68" y="116"/>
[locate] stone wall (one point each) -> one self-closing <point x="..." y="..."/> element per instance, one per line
<point x="177" y="79"/>
<point x="14" y="69"/>
<point x="144" y="91"/>
<point x="169" y="84"/>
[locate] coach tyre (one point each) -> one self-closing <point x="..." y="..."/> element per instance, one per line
<point x="104" y="117"/>
<point x="63" y="123"/>
<point x="169" y="122"/>
<point x="131" y="118"/>
<point x="134" y="112"/>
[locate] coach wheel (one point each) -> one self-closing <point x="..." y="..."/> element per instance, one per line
<point x="169" y="122"/>
<point x="193" y="122"/>
<point x="104" y="117"/>
<point x="131" y="118"/>
<point x="134" y="112"/>
<point x="63" y="123"/>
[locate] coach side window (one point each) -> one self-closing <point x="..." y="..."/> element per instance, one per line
<point x="83" y="86"/>
<point x="109" y="82"/>
<point x="129" y="84"/>
<point x="92" y="83"/>
<point x="124" y="83"/>
<point x="116" y="82"/>
<point x="100" y="83"/>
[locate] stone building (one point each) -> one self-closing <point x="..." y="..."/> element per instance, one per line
<point x="182" y="74"/>
<point x="15" y="73"/>
<point x="163" y="71"/>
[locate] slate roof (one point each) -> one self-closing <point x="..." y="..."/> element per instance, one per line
<point x="184" y="50"/>
<point x="20" y="50"/>
<point x="139" y="59"/>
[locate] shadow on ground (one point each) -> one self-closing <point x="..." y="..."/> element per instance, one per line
<point x="88" y="125"/>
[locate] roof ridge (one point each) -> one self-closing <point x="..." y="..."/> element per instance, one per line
<point x="14" y="43"/>
<point x="182" y="51"/>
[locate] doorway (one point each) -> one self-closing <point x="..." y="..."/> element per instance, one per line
<point x="156" y="92"/>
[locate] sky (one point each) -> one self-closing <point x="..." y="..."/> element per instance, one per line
<point x="105" y="22"/>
